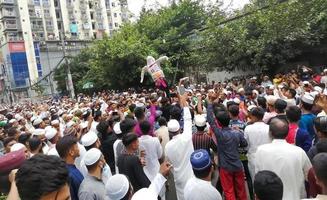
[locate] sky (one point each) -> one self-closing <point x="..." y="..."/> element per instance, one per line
<point x="135" y="6"/>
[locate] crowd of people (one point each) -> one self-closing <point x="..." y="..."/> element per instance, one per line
<point x="265" y="138"/>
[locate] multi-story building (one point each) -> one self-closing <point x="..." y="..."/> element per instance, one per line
<point x="27" y="26"/>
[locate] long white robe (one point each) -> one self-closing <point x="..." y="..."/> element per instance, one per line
<point x="178" y="151"/>
<point x="289" y="162"/>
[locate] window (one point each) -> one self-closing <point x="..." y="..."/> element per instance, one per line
<point x="116" y="24"/>
<point x="48" y="23"/>
<point x="113" y="4"/>
<point x="92" y="16"/>
<point x="115" y="14"/>
<point x="56" y="4"/>
<point x="93" y="25"/>
<point x="59" y="25"/>
<point x="57" y="14"/>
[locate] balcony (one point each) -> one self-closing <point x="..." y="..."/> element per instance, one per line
<point x="37" y="28"/>
<point x="47" y="15"/>
<point x="8" y="14"/>
<point x="101" y="27"/>
<point x="49" y="28"/>
<point x="46" y="3"/>
<point x="7" y="2"/>
<point x="10" y="25"/>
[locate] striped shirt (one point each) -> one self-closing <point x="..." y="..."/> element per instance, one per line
<point x="202" y="140"/>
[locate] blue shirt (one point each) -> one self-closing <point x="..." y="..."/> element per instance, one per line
<point x="228" y="142"/>
<point x="307" y="123"/>
<point x="303" y="139"/>
<point x="75" y="180"/>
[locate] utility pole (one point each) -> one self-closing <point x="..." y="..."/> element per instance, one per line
<point x="69" y="75"/>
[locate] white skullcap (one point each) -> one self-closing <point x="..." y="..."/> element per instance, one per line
<point x="39" y="131"/>
<point x="237" y="101"/>
<point x="240" y="90"/>
<point x="271" y="87"/>
<point x="173" y="125"/>
<point x="50" y="133"/>
<point x="16" y="147"/>
<point x="43" y="115"/>
<point x="139" y="105"/>
<point x="117" y="187"/>
<point x="271" y="99"/>
<point x="12" y="121"/>
<point x="37" y="121"/>
<point x="318" y="89"/>
<point x="92" y="156"/>
<point x="251" y="107"/>
<point x="144" y="194"/>
<point x="307" y="98"/>
<point x="305" y="70"/>
<point x="200" y="121"/>
<point x="306" y="83"/>
<point x="255" y="91"/>
<point x="325" y="70"/>
<point x="18" y="117"/>
<point x="117" y="128"/>
<point x="89" y="138"/>
<point x="55" y="122"/>
<point x="70" y="124"/>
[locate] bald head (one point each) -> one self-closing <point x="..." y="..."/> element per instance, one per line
<point x="278" y="128"/>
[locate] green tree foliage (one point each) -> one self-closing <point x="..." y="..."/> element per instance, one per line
<point x="264" y="35"/>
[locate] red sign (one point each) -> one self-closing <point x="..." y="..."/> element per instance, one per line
<point x="16" y="47"/>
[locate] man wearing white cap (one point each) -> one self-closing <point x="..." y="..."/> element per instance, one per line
<point x="307" y="118"/>
<point x="179" y="149"/>
<point x="201" y="140"/>
<point x="90" y="140"/>
<point x="52" y="136"/>
<point x="118" y="186"/>
<point x="199" y="187"/>
<point x="40" y="133"/>
<point x="92" y="186"/>
<point x="38" y="123"/>
<point x="19" y="146"/>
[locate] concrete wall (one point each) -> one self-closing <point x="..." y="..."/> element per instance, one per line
<point x="223" y="75"/>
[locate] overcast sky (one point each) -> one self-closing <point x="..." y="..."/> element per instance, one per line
<point x="135" y="6"/>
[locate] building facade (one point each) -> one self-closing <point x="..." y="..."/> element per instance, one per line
<point x="29" y="27"/>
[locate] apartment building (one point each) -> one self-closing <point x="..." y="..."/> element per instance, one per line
<point x="28" y="26"/>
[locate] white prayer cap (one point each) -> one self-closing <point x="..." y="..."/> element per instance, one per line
<point x="251" y="107"/>
<point x="70" y="124"/>
<point x="117" y="187"/>
<point x="200" y="120"/>
<point x="271" y="87"/>
<point x="173" y="125"/>
<point x="314" y="94"/>
<point x="240" y="90"/>
<point x="37" y="121"/>
<point x="18" y="117"/>
<point x="16" y="147"/>
<point x="305" y="70"/>
<point x="237" y="100"/>
<point x="255" y="91"/>
<point x="117" y="128"/>
<point x="50" y="133"/>
<point x="39" y="131"/>
<point x="144" y="194"/>
<point x="89" y="138"/>
<point x="55" y="122"/>
<point x="43" y="115"/>
<point x="318" y="89"/>
<point x="271" y="99"/>
<point x="307" y="98"/>
<point x="306" y="83"/>
<point x="92" y="156"/>
<point x="12" y="121"/>
<point x="139" y="105"/>
<point x="325" y="70"/>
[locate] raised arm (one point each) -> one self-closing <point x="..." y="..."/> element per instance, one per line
<point x="142" y="73"/>
<point x="161" y="59"/>
<point x="211" y="118"/>
<point x="187" y="133"/>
